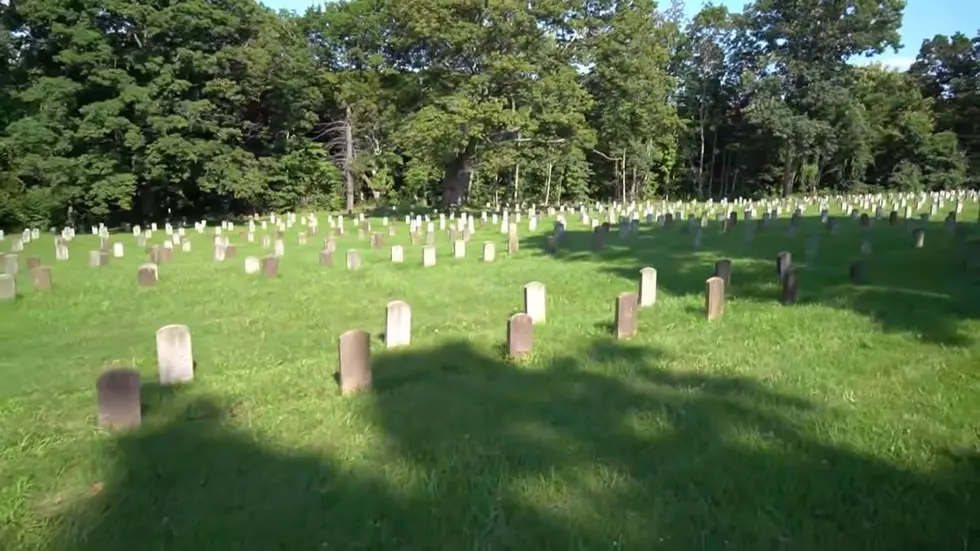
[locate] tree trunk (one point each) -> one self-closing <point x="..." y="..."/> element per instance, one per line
<point x="788" y="172"/>
<point x="624" y="177"/>
<point x="711" y="167"/>
<point x="517" y="182"/>
<point x="349" y="162"/>
<point x="547" y="185"/>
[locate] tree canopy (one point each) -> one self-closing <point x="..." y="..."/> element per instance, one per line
<point x="133" y="110"/>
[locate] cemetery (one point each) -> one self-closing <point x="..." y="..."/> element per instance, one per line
<point x="489" y="275"/>
<point x="566" y="375"/>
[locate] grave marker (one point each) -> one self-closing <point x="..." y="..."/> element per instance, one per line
<point x="398" y="324"/>
<point x="714" y="298"/>
<point x="8" y="287"/>
<point x="625" y="324"/>
<point x="118" y="396"/>
<point x="41" y="278"/>
<point x="535" y="301"/>
<point x="520" y="335"/>
<point x="648" y="287"/>
<point x="175" y="358"/>
<point x="354" y="360"/>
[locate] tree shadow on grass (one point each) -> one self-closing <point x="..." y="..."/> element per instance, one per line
<point x="925" y="292"/>
<point x="481" y="454"/>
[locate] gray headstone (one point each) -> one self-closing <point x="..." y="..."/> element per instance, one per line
<point x="354" y="361"/>
<point x="520" y="335"/>
<point x="625" y="324"/>
<point x="118" y="395"/>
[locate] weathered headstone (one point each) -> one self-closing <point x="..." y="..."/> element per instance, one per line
<point x="459" y="248"/>
<point x="598" y="238"/>
<point x="219" y="253"/>
<point x="354" y="361"/>
<point x="535" y="301"/>
<point x="714" y="298"/>
<point x="270" y="266"/>
<point x="919" y="237"/>
<point x="118" y="395"/>
<point x="783" y="261"/>
<point x="512" y="244"/>
<point x="428" y="256"/>
<point x="175" y="358"/>
<point x="33" y="262"/>
<point x="648" y="287"/>
<point x="8" y="287"/>
<point x="398" y="324"/>
<point x="11" y="264"/>
<point x="723" y="269"/>
<point x="625" y="324"/>
<point x="397" y="252"/>
<point x="41" y="278"/>
<point x="353" y="260"/>
<point x="551" y="244"/>
<point x="790" y="290"/>
<point x="489" y="251"/>
<point x="856" y="272"/>
<point x="252" y="265"/>
<point x="146" y="275"/>
<point x="520" y="335"/>
<point x="326" y="258"/>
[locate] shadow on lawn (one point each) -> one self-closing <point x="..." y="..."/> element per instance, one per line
<point x="925" y="291"/>
<point x="482" y="454"/>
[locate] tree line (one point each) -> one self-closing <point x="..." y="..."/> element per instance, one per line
<point x="134" y="110"/>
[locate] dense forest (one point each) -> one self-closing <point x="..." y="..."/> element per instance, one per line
<point x="134" y="110"/>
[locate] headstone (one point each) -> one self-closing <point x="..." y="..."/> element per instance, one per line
<point x="41" y="278"/>
<point x="714" y="298"/>
<point x="598" y="238"/>
<point x="354" y="361"/>
<point x="459" y="248"/>
<point x="723" y="269"/>
<point x="11" y="264"/>
<point x="353" y="260"/>
<point x="856" y="272"/>
<point x="783" y="261"/>
<point x="512" y="244"/>
<point x="95" y="259"/>
<point x="397" y="252"/>
<point x="8" y="287"/>
<point x="789" y="286"/>
<point x="398" y="324"/>
<point x="648" y="287"/>
<point x="326" y="259"/>
<point x="428" y="256"/>
<point x="219" y="253"/>
<point x="489" y="251"/>
<point x="270" y="266"/>
<point x="535" y="301"/>
<point x="33" y="262"/>
<point x="280" y="247"/>
<point x="175" y="359"/>
<point x="520" y="335"/>
<point x="919" y="236"/>
<point x="626" y="304"/>
<point x="551" y="244"/>
<point x="252" y="265"/>
<point x="146" y="275"/>
<point x="118" y="395"/>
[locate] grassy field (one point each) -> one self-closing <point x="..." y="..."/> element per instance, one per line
<point x="846" y="421"/>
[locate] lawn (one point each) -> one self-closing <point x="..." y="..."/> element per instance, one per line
<point x="845" y="421"/>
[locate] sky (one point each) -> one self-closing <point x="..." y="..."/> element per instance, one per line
<point x="923" y="19"/>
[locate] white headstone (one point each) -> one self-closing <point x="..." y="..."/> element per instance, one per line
<point x="398" y="325"/>
<point x="535" y="301"/>
<point x="175" y="359"/>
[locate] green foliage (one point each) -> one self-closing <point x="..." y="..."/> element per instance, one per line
<point x="130" y="110"/>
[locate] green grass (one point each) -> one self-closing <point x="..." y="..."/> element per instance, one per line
<point x="846" y="421"/>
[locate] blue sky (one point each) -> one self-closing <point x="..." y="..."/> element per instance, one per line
<point x="923" y="19"/>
